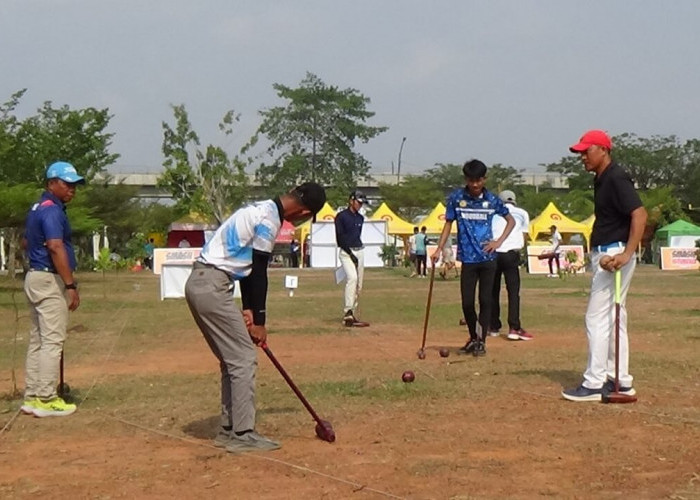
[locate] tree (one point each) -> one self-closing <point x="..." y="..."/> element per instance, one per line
<point x="447" y="176"/>
<point x="53" y="134"/>
<point x="572" y="168"/>
<point x="416" y="195"/>
<point x="28" y="146"/>
<point x="312" y="137"/>
<point x="205" y="181"/>
<point x="500" y="177"/>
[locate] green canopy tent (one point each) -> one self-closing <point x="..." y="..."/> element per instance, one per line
<point x="678" y="234"/>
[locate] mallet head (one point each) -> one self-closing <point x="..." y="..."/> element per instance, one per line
<point x="618" y="398"/>
<point x="324" y="430"/>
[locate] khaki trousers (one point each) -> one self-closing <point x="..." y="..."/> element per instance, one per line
<point x="48" y="311"/>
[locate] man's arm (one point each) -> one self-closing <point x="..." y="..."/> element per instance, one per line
<point x="491" y="246"/>
<point x="59" y="257"/>
<point x="341" y="238"/>
<point x="637" y="224"/>
<point x="254" y="295"/>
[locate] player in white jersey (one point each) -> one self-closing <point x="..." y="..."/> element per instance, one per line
<point x="508" y="265"/>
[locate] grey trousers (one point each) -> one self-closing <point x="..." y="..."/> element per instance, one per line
<point x="209" y="295"/>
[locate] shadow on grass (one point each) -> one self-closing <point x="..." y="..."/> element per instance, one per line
<point x="565" y="378"/>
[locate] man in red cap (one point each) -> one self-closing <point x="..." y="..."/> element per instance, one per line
<point x="619" y="224"/>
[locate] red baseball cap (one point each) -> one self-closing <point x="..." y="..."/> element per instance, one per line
<point x="592" y="138"/>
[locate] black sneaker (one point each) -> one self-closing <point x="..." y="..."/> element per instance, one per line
<point x="582" y="393"/>
<point x="349" y="318"/>
<point x="480" y="349"/>
<point x="468" y="347"/>
<point x="610" y="387"/>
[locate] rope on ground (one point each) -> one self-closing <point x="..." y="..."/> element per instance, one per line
<point x="356" y="486"/>
<point x="9" y="423"/>
<point x="106" y="359"/>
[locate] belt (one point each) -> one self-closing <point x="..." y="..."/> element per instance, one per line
<point x="356" y="248"/>
<point x="605" y="248"/>
<point x="43" y="270"/>
<point x="201" y="265"/>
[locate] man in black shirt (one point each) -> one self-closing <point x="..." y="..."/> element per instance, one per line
<point x="619" y="224"/>
<point x="348" y="232"/>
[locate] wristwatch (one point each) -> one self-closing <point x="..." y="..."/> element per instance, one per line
<point x="72" y="286"/>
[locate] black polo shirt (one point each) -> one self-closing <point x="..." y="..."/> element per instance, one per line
<point x="615" y="200"/>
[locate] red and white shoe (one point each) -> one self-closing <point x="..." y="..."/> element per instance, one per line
<point x="519" y="335"/>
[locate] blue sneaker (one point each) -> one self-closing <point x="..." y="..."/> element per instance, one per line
<point x="610" y="387"/>
<point x="582" y="393"/>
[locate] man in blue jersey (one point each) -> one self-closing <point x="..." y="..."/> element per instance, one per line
<point x="240" y="251"/>
<point x="473" y="208"/>
<point x="51" y="290"/>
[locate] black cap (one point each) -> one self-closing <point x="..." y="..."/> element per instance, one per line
<point x="359" y="196"/>
<point x="311" y="195"/>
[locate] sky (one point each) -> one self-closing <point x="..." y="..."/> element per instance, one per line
<point x="511" y="82"/>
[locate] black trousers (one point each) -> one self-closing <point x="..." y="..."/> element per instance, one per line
<point x="507" y="265"/>
<point x="482" y="273"/>
<point x="421" y="264"/>
<point x="554" y="258"/>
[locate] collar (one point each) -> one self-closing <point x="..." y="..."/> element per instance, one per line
<point x="280" y="208"/>
<point x="48" y="195"/>
<point x="611" y="166"/>
<point x="481" y="196"/>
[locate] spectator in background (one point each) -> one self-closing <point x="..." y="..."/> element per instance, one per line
<point x="148" y="249"/>
<point x="294" y="252"/>
<point x="412" y="251"/>
<point x="306" y="250"/>
<point x="184" y="243"/>
<point x="555" y="239"/>
<point x="421" y="252"/>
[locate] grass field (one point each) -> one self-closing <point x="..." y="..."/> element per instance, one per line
<point x="493" y="427"/>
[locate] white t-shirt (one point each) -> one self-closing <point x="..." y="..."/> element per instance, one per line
<point x="251" y="227"/>
<point x="556" y="240"/>
<point x="516" y="238"/>
<point x="412" y="243"/>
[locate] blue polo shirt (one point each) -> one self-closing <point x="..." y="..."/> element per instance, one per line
<point x="473" y="217"/>
<point x="47" y="220"/>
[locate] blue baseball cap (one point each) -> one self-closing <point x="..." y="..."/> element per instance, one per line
<point x="64" y="171"/>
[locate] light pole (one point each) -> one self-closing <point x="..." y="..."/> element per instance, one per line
<point x="398" y="170"/>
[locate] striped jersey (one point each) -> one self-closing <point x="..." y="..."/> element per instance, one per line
<point x="251" y="227"/>
<point x="473" y="217"/>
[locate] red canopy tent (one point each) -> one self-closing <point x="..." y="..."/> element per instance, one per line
<point x="286" y="234"/>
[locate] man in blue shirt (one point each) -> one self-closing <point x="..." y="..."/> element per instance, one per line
<point x="348" y="232"/>
<point x="473" y="208"/>
<point x="51" y="290"/>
